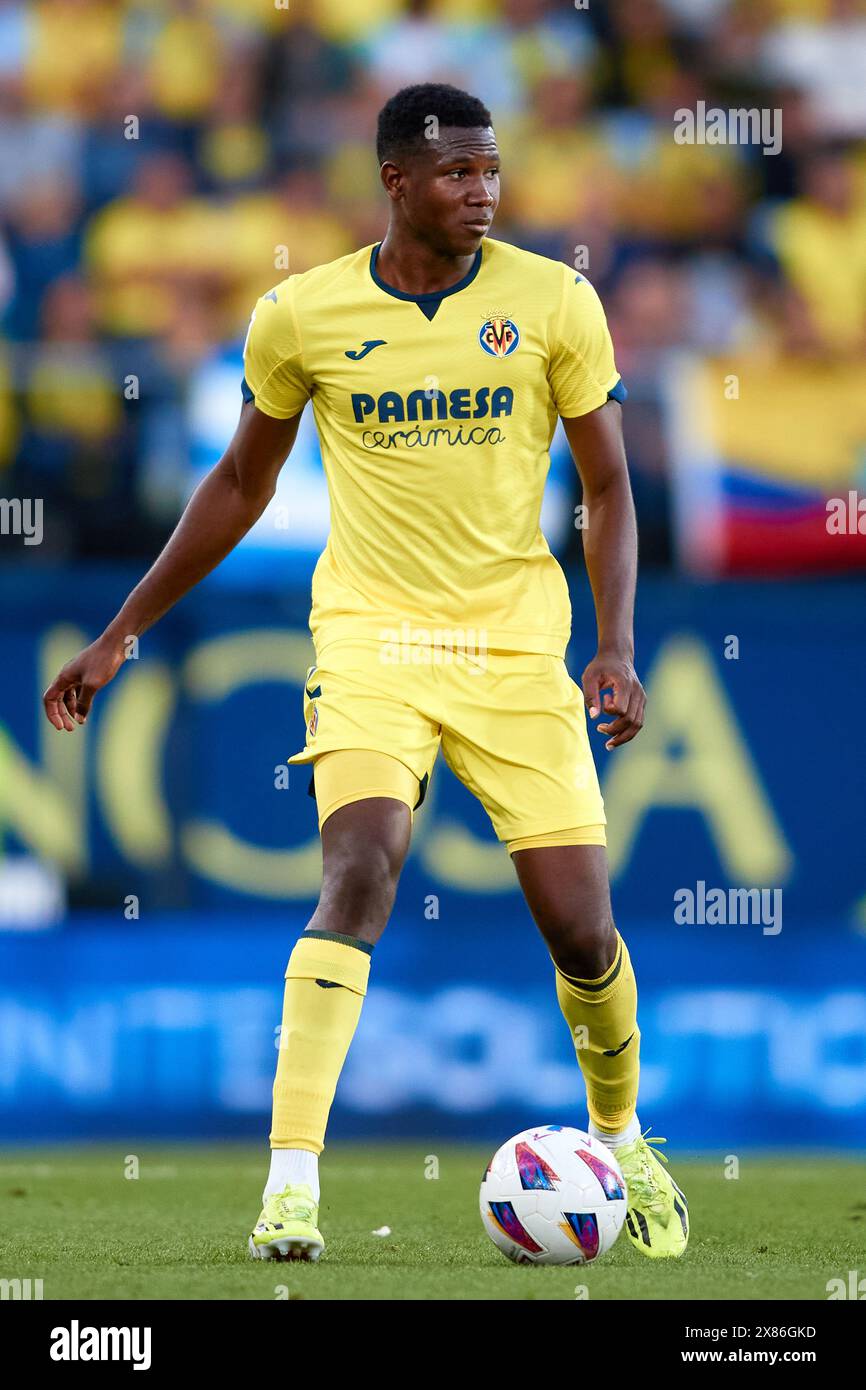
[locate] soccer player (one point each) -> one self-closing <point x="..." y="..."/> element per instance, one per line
<point x="437" y="363"/>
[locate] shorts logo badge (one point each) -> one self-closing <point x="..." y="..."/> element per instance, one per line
<point x="499" y="336"/>
<point x="314" y="721"/>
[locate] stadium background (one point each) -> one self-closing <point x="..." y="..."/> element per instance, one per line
<point x="164" y="163"/>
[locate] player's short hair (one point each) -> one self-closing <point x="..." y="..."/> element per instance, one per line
<point x="404" y="119"/>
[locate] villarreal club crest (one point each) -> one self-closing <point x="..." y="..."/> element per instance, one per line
<point x="499" y="336"/>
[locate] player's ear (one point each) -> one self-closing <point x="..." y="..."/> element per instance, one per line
<point x="392" y="180"/>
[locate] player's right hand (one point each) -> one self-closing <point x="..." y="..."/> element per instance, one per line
<point x="68" y="698"/>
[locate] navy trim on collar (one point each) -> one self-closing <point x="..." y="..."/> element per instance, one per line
<point x="435" y="296"/>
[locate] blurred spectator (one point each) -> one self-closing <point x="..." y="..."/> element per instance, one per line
<point x="9" y="431"/>
<point x="281" y="231"/>
<point x="419" y="47"/>
<point x="278" y="232"/>
<point x="14" y="29"/>
<point x="164" y="162"/>
<point x="183" y="62"/>
<point x="528" y="42"/>
<point x="72" y="423"/>
<point x="824" y="54"/>
<point x="35" y="146"/>
<point x="232" y="146"/>
<point x="112" y="145"/>
<point x="305" y="74"/>
<point x="44" y="244"/>
<point x="75" y="48"/>
<point x="148" y="250"/>
<point x="820" y="240"/>
<point x="558" y="168"/>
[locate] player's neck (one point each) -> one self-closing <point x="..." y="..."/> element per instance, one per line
<point x="412" y="267"/>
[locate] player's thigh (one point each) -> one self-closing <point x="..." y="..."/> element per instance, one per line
<point x="373" y="713"/>
<point x="371" y="752"/>
<point x="346" y="777"/>
<point x="516" y="735"/>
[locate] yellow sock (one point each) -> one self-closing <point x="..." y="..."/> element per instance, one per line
<point x="326" y="980"/>
<point x="602" y="1016"/>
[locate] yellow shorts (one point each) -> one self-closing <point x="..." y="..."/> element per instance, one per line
<point x="512" y="727"/>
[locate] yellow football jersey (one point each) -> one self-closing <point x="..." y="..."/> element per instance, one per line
<point x="435" y="415"/>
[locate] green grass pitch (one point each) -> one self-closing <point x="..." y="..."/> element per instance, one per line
<point x="178" y="1231"/>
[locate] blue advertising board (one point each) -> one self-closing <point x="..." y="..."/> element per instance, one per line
<point x="170" y="1029"/>
<point x="747" y="774"/>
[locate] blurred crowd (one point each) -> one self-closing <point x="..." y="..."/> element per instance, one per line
<point x="164" y="162"/>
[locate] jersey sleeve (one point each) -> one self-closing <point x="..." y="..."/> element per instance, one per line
<point x="582" y="371"/>
<point x="274" y="376"/>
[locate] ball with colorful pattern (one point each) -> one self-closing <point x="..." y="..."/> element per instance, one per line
<point x="553" y="1196"/>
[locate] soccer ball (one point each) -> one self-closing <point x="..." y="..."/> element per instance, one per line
<point x="553" y="1196"/>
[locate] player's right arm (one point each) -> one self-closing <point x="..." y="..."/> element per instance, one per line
<point x="223" y="508"/>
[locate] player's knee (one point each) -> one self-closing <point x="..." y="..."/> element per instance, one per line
<point x="359" y="887"/>
<point x="368" y="878"/>
<point x="566" y="890"/>
<point x="582" y="946"/>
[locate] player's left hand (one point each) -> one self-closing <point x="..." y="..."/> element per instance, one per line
<point x="610" y="672"/>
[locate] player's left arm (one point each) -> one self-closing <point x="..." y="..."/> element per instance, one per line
<point x="610" y="547"/>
